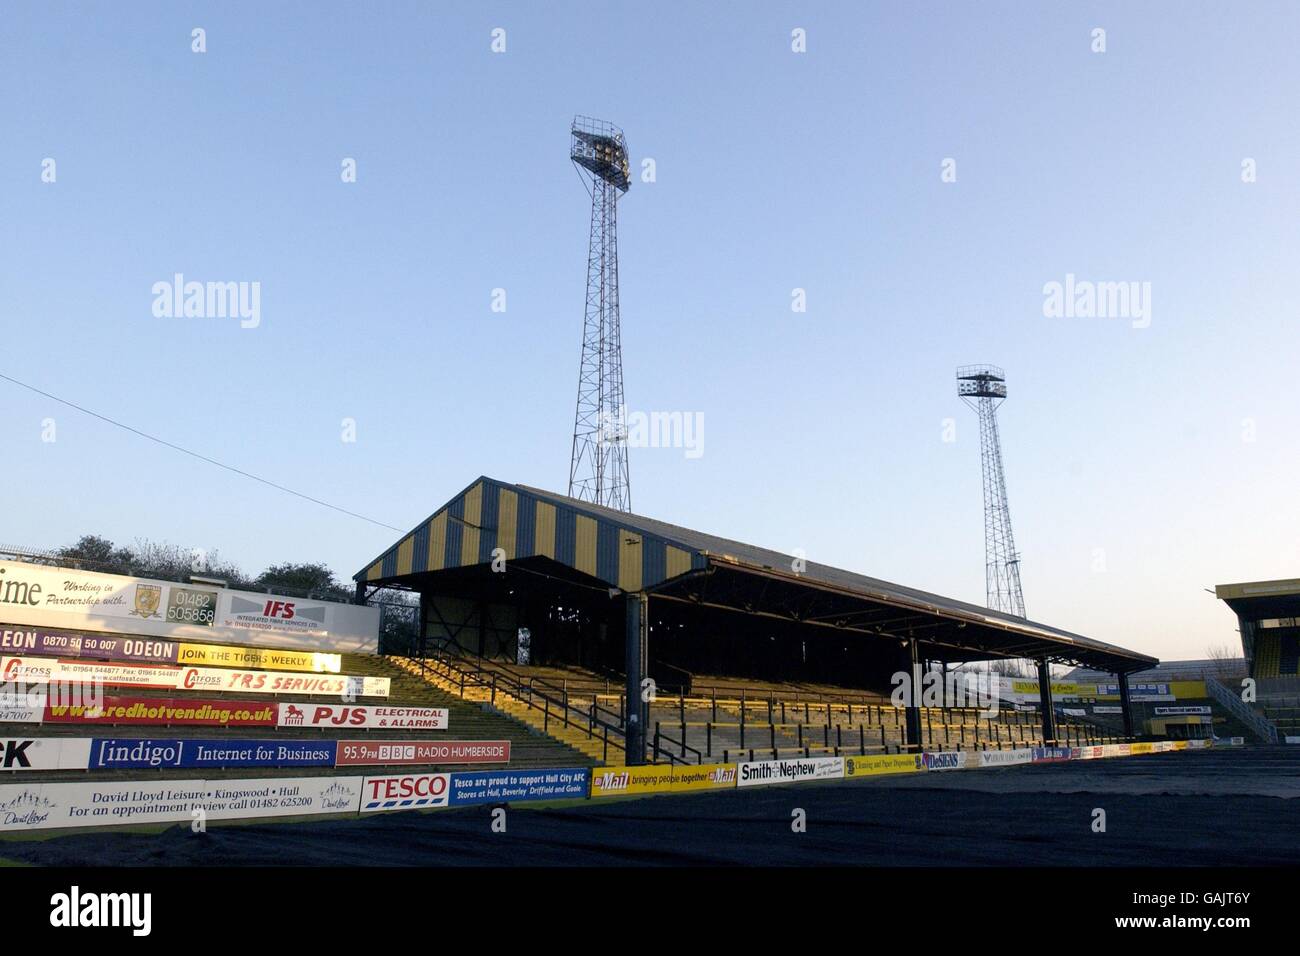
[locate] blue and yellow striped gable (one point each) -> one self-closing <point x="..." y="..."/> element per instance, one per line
<point x="490" y="514"/>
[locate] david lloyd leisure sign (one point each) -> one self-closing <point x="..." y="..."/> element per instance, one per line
<point x="40" y="596"/>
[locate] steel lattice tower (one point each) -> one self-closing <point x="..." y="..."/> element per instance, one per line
<point x="984" y="388"/>
<point x="598" y="468"/>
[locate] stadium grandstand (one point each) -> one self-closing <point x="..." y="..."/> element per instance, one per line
<point x="556" y="610"/>
<point x="1268" y="621"/>
<point x="1181" y="700"/>
<point x="554" y="637"/>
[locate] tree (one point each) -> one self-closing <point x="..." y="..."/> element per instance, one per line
<point x="1225" y="659"/>
<point x="170" y="562"/>
<point x="312" y="580"/>
<point x="94" y="553"/>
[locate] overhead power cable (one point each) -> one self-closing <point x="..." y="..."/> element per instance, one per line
<point x="198" y="455"/>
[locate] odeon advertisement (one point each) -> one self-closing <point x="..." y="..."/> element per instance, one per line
<point x="43" y="642"/>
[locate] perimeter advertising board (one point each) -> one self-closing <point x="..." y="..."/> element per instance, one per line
<point x="411" y="791"/>
<point x="119" y="709"/>
<point x="21" y="707"/>
<point x="280" y="682"/>
<point x="213" y="655"/>
<point x="941" y="760"/>
<point x="43" y="753"/>
<point x="762" y="772"/>
<point x="362" y="715"/>
<point x="358" y="753"/>
<point x="41" y="670"/>
<point x="502" y="786"/>
<point x="1050" y="754"/>
<point x="141" y="753"/>
<point x="45" y="805"/>
<point x="280" y="797"/>
<point x="48" y="805"/>
<point x="43" y="642"/>
<point x="1006" y="758"/>
<point x="624" y="781"/>
<point x="45" y="597"/>
<point x="876" y="764"/>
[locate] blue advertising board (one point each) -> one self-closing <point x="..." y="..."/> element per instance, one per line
<point x="1051" y="753"/>
<point x="133" y="753"/>
<point x="500" y="786"/>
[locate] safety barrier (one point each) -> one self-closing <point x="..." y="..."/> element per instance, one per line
<point x="223" y="753"/>
<point x="75" y="805"/>
<point x="194" y="801"/>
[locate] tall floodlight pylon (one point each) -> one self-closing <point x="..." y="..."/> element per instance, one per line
<point x="984" y="388"/>
<point x="598" y="468"/>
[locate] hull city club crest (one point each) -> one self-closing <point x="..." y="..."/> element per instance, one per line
<point x="147" y="599"/>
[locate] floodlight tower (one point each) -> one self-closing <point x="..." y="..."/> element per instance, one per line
<point x="984" y="388"/>
<point x="598" y="468"/>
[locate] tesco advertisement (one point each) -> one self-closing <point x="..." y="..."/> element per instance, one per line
<point x="405" y="792"/>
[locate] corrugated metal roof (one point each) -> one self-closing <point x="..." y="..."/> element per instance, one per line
<point x="596" y="551"/>
<point x="732" y="551"/>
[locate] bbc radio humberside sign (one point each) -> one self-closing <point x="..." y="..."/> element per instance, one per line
<point x="39" y="596"/>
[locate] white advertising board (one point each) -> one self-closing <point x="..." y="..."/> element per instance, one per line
<point x="280" y="796"/>
<point x="1005" y="758"/>
<point x="45" y="670"/>
<point x="43" y="753"/>
<point x="232" y="681"/>
<point x="763" y="772"/>
<point x="33" y="594"/>
<point x="49" y="805"/>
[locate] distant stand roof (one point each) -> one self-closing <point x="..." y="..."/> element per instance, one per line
<point x="1169" y="670"/>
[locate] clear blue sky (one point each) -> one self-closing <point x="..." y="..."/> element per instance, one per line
<point x="776" y="170"/>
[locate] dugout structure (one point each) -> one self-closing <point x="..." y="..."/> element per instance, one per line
<point x="637" y="597"/>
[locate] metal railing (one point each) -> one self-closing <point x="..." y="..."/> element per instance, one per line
<point x="552" y="701"/>
<point x="1260" y="726"/>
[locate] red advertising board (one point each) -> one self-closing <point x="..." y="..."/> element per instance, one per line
<point x="115" y="709"/>
<point x="374" y="752"/>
